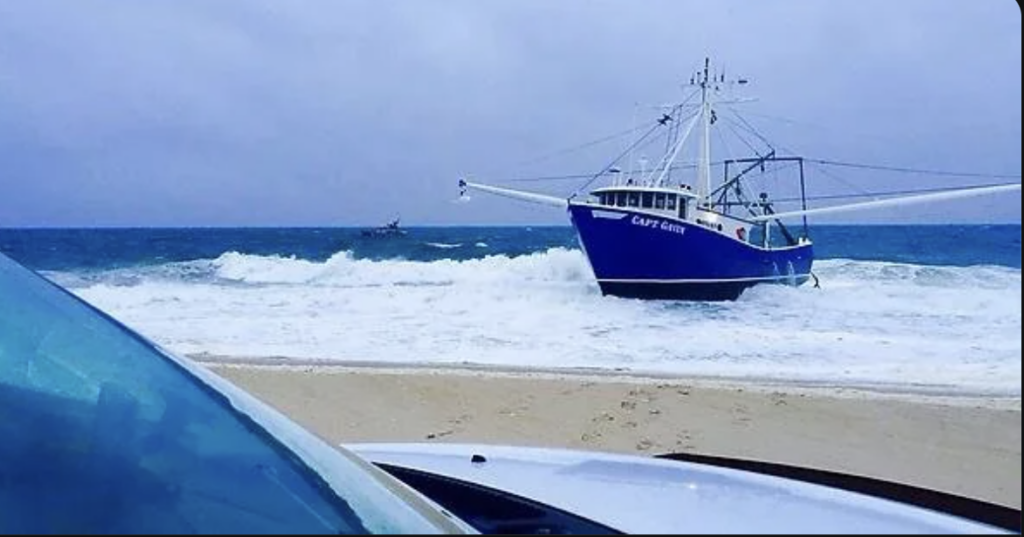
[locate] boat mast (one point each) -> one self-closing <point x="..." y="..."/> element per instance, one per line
<point x="704" y="161"/>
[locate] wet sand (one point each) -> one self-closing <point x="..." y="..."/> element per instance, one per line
<point x="966" y="446"/>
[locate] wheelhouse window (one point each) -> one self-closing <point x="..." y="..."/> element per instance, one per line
<point x="659" y="200"/>
<point x="648" y="200"/>
<point x="670" y="202"/>
<point x="634" y="199"/>
<point x="620" y="199"/>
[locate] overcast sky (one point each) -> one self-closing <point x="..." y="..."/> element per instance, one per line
<point x="332" y="112"/>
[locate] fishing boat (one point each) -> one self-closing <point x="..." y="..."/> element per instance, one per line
<point x="649" y="235"/>
<point x="391" y="229"/>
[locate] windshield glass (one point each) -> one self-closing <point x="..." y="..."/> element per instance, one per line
<point x="102" y="433"/>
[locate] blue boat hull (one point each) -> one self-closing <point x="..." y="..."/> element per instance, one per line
<point x="639" y="255"/>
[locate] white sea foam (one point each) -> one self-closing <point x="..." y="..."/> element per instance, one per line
<point x="444" y="245"/>
<point x="871" y="323"/>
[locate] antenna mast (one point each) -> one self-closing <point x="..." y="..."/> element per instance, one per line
<point x="710" y="85"/>
<point x="704" y="161"/>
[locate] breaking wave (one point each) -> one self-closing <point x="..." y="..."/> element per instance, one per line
<point x="877" y="323"/>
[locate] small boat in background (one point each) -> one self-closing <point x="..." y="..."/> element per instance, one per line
<point x="391" y="229"/>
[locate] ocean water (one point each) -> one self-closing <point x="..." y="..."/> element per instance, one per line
<point x="929" y="308"/>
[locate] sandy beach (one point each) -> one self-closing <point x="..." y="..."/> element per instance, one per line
<point x="966" y="446"/>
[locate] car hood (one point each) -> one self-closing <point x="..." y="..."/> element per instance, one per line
<point x="638" y="494"/>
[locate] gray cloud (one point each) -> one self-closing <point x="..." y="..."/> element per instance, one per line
<point x="334" y="113"/>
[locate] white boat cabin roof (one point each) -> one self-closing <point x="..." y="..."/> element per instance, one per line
<point x="681" y="190"/>
<point x="660" y="199"/>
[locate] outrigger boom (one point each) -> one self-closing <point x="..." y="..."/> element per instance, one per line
<point x="514" y="194"/>
<point x="899" y="201"/>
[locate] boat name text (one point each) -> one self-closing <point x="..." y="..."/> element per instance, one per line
<point x="657" y="223"/>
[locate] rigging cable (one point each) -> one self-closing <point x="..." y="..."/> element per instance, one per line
<point x="660" y="166"/>
<point x="611" y="164"/>
<point x="900" y="169"/>
<point x="836" y="177"/>
<point x="751" y="129"/>
<point x="575" y="176"/>
<point x="579" y="147"/>
<point x="879" y="194"/>
<point x="632" y="146"/>
<point x="731" y="125"/>
<point x="877" y="167"/>
<point x="659" y="123"/>
<point x="820" y="162"/>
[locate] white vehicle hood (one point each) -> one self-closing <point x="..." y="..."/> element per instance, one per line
<point x="638" y="494"/>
